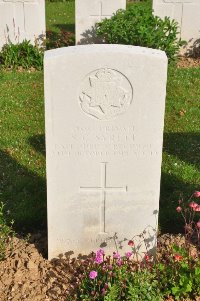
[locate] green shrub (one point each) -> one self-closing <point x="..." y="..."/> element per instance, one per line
<point x="23" y="55"/>
<point x="5" y="232"/>
<point x="138" y="26"/>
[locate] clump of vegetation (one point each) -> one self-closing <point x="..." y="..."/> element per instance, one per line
<point x="189" y="211"/>
<point x="174" y="271"/>
<point x="6" y="232"/>
<point x="59" y="39"/>
<point x="139" y="27"/>
<point x="27" y="56"/>
<point x="22" y="55"/>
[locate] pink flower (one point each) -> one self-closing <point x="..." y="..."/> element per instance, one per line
<point x="100" y="251"/>
<point x="93" y="274"/>
<point x="178" y="257"/>
<point x="116" y="255"/>
<point x="147" y="257"/>
<point x="193" y="205"/>
<point x="119" y="262"/>
<point x="128" y="254"/>
<point x="197" y="208"/>
<point x="99" y="256"/>
<point x="98" y="259"/>
<point x="178" y="209"/>
<point x="197" y="194"/>
<point x="131" y="243"/>
<point x="198" y="224"/>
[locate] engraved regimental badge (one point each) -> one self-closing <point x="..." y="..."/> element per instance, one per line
<point x="105" y="93"/>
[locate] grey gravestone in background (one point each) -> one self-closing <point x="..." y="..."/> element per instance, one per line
<point x="104" y="130"/>
<point x="20" y="20"/>
<point x="89" y="12"/>
<point x="185" y="12"/>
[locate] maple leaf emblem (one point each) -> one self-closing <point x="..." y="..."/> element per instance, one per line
<point x="105" y="95"/>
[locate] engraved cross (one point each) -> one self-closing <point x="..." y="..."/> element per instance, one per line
<point x="100" y="15"/>
<point x="103" y="190"/>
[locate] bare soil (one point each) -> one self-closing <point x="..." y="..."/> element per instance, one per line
<point x="188" y="62"/>
<point x="26" y="274"/>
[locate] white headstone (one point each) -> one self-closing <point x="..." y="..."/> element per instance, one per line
<point x="104" y="130"/>
<point x="20" y="20"/>
<point x="89" y="12"/>
<point x="185" y="12"/>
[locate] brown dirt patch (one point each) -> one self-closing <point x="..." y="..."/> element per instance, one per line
<point x="188" y="62"/>
<point x="26" y="274"/>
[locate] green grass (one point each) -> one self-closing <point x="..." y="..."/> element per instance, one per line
<point x="60" y="15"/>
<point x="22" y="162"/>
<point x="22" y="150"/>
<point x="181" y="159"/>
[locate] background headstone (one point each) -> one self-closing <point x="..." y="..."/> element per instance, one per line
<point x="186" y="13"/>
<point x="104" y="129"/>
<point x="89" y="12"/>
<point x="20" y="20"/>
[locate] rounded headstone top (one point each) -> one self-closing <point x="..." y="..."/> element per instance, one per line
<point x="102" y="48"/>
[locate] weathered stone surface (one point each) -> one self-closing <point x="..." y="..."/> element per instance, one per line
<point x="89" y="12"/>
<point x="104" y="128"/>
<point x="20" y="20"/>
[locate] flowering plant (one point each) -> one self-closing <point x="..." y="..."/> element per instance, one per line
<point x="189" y="212"/>
<point x="115" y="277"/>
<point x="173" y="272"/>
